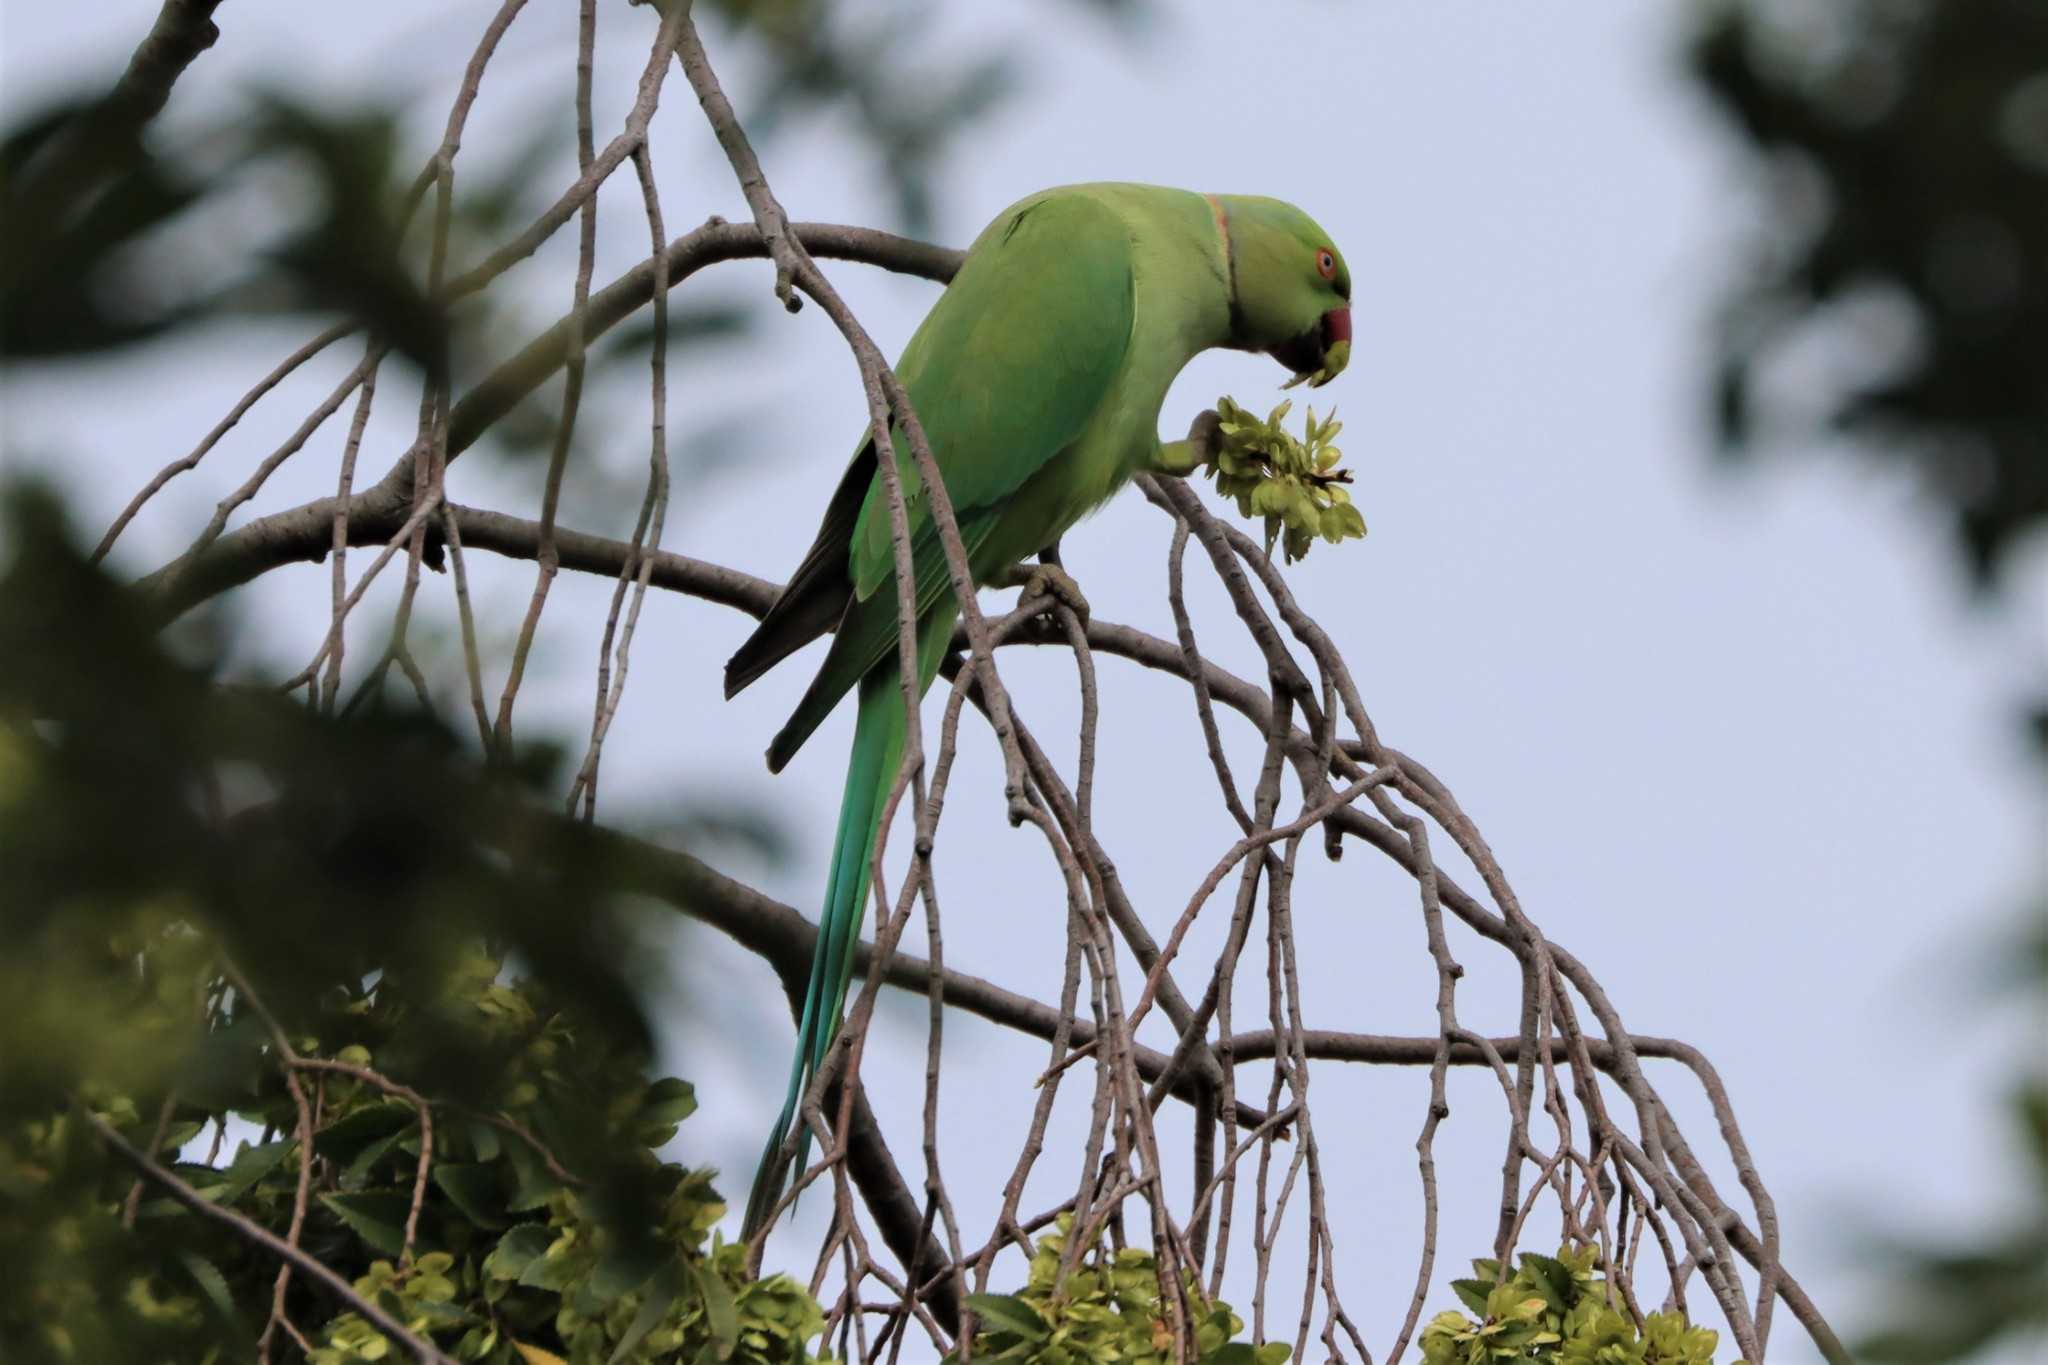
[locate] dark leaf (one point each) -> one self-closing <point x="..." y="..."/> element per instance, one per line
<point x="345" y="1139"/>
<point x="1007" y="1313"/>
<point x="476" y="1188"/>
<point x="376" y="1216"/>
<point x="250" y="1165"/>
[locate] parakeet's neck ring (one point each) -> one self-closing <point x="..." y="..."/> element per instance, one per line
<point x="1228" y="245"/>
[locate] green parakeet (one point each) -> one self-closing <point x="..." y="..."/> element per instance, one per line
<point x="1038" y="376"/>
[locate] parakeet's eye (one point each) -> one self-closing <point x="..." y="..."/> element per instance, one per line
<point x="1326" y="264"/>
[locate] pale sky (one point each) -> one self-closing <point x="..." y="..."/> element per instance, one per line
<point x="1738" y="742"/>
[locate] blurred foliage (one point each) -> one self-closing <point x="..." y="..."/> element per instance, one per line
<point x="1906" y="144"/>
<point x="107" y="239"/>
<point x="512" y="1259"/>
<point x="1557" y="1309"/>
<point x="375" y="886"/>
<point x="523" y="1258"/>
<point x="113" y="234"/>
<point x="1106" y="1309"/>
<point x="1292" y="482"/>
<point x="318" y="849"/>
<point x="77" y="191"/>
<point x="410" y="915"/>
<point x="1990" y="1292"/>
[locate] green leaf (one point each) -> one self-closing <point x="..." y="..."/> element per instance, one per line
<point x="358" y="1170"/>
<point x="622" y="1270"/>
<point x="534" y="1183"/>
<point x="475" y="1188"/>
<point x="516" y="1250"/>
<point x="342" y="1140"/>
<point x="560" y="1266"/>
<point x="1473" y="1293"/>
<point x="661" y="1293"/>
<point x="214" y="1286"/>
<point x="721" y="1311"/>
<point x="668" y="1102"/>
<point x="376" y="1216"/>
<point x="1551" y="1278"/>
<point x="250" y="1165"/>
<point x="180" y="1133"/>
<point x="485" y="1139"/>
<point x="1009" y="1313"/>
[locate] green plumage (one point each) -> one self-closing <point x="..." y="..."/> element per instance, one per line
<point x="1038" y="377"/>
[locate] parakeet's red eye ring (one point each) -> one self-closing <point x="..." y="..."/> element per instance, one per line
<point x="1326" y="264"/>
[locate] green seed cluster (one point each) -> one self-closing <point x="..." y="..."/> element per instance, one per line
<point x="1557" y="1309"/>
<point x="1105" y="1309"/>
<point x="1293" y="483"/>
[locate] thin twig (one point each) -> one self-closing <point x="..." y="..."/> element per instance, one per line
<point x="290" y="1253"/>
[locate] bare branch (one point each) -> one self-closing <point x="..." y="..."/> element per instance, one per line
<point x="284" y="368"/>
<point x="300" y="533"/>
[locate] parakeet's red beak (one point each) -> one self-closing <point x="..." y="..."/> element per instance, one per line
<point x="1336" y="331"/>
<point x="1336" y="327"/>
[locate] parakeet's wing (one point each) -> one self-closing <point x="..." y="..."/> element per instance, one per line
<point x="1012" y="363"/>
<point x="1005" y="373"/>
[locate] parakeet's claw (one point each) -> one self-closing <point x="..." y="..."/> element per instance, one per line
<point x="1055" y="585"/>
<point x="1205" y="434"/>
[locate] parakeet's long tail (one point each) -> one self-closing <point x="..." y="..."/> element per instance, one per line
<point x="870" y="773"/>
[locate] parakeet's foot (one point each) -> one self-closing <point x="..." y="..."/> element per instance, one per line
<point x="1205" y="433"/>
<point x="1054" y="584"/>
<point x="1204" y="439"/>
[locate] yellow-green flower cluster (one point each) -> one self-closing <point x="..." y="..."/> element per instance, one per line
<point x="1557" y="1309"/>
<point x="1106" y="1309"/>
<point x="1293" y="483"/>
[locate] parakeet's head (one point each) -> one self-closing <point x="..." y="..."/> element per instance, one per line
<point x="1290" y="288"/>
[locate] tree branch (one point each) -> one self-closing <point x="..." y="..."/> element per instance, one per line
<point x="783" y="936"/>
<point x="308" y="1264"/>
<point x="784" y="939"/>
<point x="183" y="30"/>
<point x="303" y="532"/>
<point x="67" y="164"/>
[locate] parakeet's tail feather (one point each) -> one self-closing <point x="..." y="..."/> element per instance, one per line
<point x="870" y="772"/>
<point x="790" y="624"/>
<point x="817" y="593"/>
<point x="817" y="702"/>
